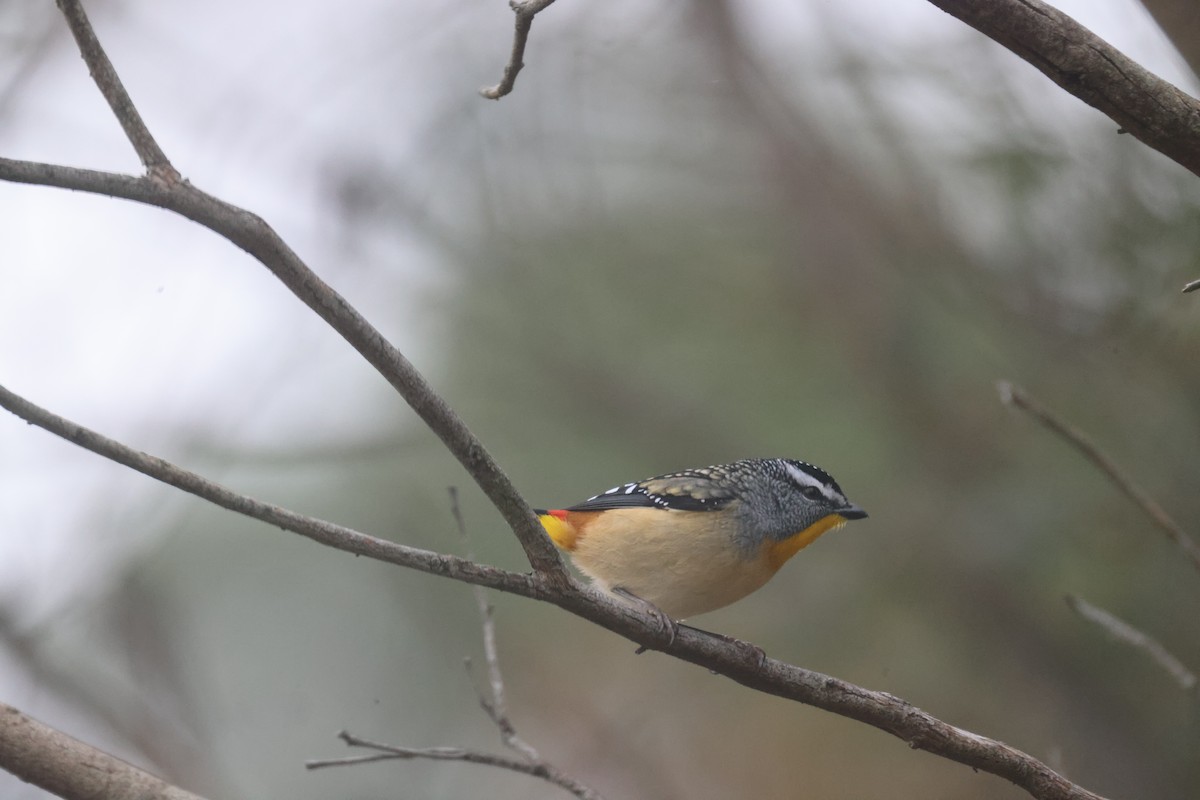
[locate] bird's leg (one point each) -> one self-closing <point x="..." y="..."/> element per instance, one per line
<point x="667" y="625"/>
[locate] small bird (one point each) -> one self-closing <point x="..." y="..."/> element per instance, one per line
<point x="694" y="541"/>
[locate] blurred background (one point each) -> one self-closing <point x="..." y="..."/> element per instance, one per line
<point x="695" y="232"/>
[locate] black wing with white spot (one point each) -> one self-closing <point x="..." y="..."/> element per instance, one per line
<point x="690" y="490"/>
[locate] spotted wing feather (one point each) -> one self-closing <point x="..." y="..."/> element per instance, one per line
<point x="690" y="490"/>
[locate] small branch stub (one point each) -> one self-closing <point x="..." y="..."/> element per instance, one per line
<point x="525" y="12"/>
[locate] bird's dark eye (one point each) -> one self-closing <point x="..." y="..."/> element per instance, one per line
<point x="812" y="493"/>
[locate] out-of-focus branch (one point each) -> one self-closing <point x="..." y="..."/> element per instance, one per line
<point x="1142" y="104"/>
<point x="1181" y="24"/>
<point x="50" y="759"/>
<point x="525" y="11"/>
<point x="1015" y="396"/>
<point x="1125" y="633"/>
<point x="718" y="654"/>
<point x="1191" y="286"/>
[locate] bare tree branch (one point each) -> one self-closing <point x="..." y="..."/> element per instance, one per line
<point x="326" y="533"/>
<point x="1125" y="633"/>
<point x="525" y="11"/>
<point x="106" y="78"/>
<point x="50" y="759"/>
<point x="1015" y="396"/>
<point x="718" y="654"/>
<point x="1191" y="286"/>
<point x="1141" y="103"/>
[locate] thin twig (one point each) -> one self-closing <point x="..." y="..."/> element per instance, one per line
<point x="1127" y="634"/>
<point x="1015" y="396"/>
<point x="497" y="706"/>
<point x="530" y="762"/>
<point x="525" y="12"/>
<point x="1191" y="286"/>
<point x="387" y="752"/>
<point x="109" y="83"/>
<point x="887" y="712"/>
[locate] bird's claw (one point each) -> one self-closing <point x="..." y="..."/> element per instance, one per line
<point x="666" y="626"/>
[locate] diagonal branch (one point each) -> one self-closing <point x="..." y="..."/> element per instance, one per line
<point x="525" y="11"/>
<point x="921" y="730"/>
<point x="1015" y="396"/>
<point x="1142" y="104"/>
<point x="109" y="83"/>
<point x="50" y="759"/>
<point x="320" y="531"/>
<point x="252" y="234"/>
<point x="1126" y="634"/>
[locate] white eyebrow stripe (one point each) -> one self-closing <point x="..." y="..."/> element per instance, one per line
<point x="804" y="479"/>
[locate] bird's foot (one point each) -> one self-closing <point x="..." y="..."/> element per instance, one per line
<point x="668" y="626"/>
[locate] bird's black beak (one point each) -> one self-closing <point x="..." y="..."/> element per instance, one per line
<point x="852" y="512"/>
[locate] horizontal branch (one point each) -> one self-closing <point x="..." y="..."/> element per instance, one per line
<point x="1142" y="104"/>
<point x="735" y="660"/>
<point x="62" y="765"/>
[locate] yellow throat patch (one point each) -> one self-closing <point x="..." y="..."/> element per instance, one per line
<point x="779" y="552"/>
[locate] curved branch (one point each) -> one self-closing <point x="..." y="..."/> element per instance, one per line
<point x="735" y="660"/>
<point x="1142" y="104"/>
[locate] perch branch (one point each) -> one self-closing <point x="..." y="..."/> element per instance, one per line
<point x="1141" y="103"/>
<point x="1015" y="396"/>
<point x="1125" y="633"/>
<point x="891" y="714"/>
<point x="524" y="11"/>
